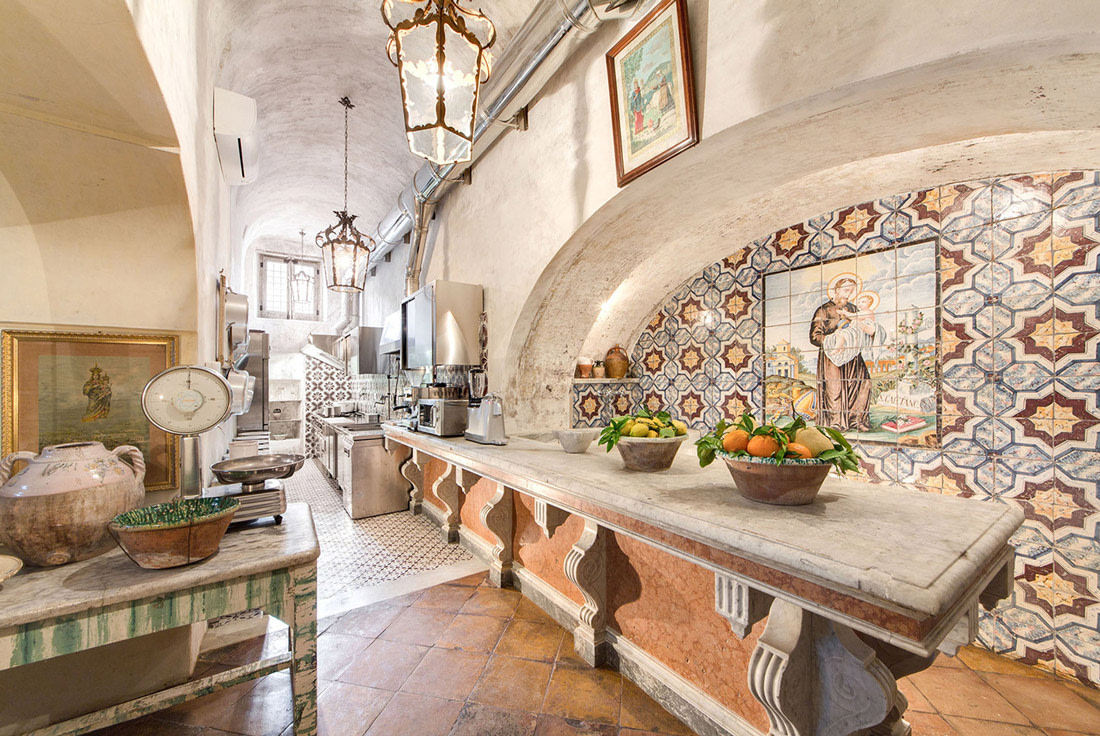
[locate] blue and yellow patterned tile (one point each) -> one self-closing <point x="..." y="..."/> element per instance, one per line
<point x="965" y="206"/>
<point x="1074" y="187"/>
<point x="1018" y="629"/>
<point x="1078" y="646"/>
<point x="858" y="228"/>
<point x="1020" y="196"/>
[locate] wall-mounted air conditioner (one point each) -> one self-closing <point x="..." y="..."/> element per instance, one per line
<point x="235" y="134"/>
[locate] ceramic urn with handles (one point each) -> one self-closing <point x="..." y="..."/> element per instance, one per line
<point x="56" y="509"/>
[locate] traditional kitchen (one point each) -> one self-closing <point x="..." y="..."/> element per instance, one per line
<point x="542" y="367"/>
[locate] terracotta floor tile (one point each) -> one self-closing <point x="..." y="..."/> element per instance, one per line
<point x="499" y="602"/>
<point x="418" y="626"/>
<point x="964" y="693"/>
<point x="348" y="710"/>
<point x="472" y="633"/>
<point x="446" y="673"/>
<point x="639" y="711"/>
<point x="1048" y="703"/>
<point x="416" y="715"/>
<point x="983" y="660"/>
<point x="384" y="664"/>
<point x="974" y="727"/>
<point x="530" y="640"/>
<point x="636" y="732"/>
<point x="929" y="724"/>
<point x="567" y="655"/>
<point x="528" y="611"/>
<point x="482" y="720"/>
<point x="942" y="660"/>
<point x="471" y="580"/>
<point x="444" y="597"/>
<point x="369" y="621"/>
<point x="202" y="711"/>
<point x="267" y="710"/>
<point x="584" y="694"/>
<point x="558" y="726"/>
<point x="1057" y="732"/>
<point x="255" y="649"/>
<point x="337" y="651"/>
<point x="516" y="684"/>
<point x="150" y="726"/>
<point x="1090" y="694"/>
<point x="917" y="701"/>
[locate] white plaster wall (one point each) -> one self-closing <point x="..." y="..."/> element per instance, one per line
<point x="789" y="92"/>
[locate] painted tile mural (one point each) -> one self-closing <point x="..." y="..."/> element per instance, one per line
<point x="996" y="282"/>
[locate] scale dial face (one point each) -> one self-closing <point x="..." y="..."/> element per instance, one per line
<point x="187" y="399"/>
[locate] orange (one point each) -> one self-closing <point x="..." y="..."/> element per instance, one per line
<point x="762" y="445"/>
<point x="796" y="450"/>
<point x="735" y="439"/>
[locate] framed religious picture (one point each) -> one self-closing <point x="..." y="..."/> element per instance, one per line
<point x="652" y="94"/>
<point x="76" y="387"/>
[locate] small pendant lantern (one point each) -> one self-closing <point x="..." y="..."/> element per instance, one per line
<point x="302" y="280"/>
<point x="441" y="52"/>
<point x="345" y="251"/>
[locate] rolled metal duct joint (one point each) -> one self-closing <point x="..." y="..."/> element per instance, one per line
<point x="430" y="184"/>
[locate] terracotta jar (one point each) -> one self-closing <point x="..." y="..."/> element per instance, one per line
<point x="616" y="363"/>
<point x="56" y="509"/>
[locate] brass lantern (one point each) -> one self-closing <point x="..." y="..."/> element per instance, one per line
<point x="344" y="250"/>
<point x="441" y="52"/>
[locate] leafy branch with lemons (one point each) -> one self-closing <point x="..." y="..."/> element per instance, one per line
<point x="642" y="424"/>
<point x="794" y="440"/>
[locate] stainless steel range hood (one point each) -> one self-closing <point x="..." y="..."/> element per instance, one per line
<point x="324" y="348"/>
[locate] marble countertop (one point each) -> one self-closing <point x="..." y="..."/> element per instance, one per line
<point x="39" y="593"/>
<point x="919" y="551"/>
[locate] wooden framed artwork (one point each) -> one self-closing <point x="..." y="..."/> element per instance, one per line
<point x="75" y="387"/>
<point x="652" y="92"/>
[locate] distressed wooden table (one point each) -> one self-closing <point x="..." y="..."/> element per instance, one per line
<point x="46" y="613"/>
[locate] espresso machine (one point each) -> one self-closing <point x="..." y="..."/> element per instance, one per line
<point x="485" y="415"/>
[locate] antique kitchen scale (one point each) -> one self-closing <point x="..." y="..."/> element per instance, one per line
<point x="188" y="400"/>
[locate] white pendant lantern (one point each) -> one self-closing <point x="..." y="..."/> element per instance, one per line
<point x="302" y="280"/>
<point x="344" y="250"/>
<point x="441" y="52"/>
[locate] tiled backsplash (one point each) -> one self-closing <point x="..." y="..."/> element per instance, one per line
<point x="326" y="385"/>
<point x="956" y="331"/>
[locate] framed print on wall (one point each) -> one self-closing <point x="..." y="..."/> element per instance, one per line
<point x="652" y="93"/>
<point x="76" y="387"/>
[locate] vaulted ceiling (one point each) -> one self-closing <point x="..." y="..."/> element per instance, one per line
<point x="297" y="59"/>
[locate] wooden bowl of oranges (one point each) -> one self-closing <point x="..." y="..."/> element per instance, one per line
<point x="647" y="441"/>
<point x="783" y="465"/>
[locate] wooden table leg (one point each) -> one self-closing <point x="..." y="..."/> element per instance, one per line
<point x="303" y="647"/>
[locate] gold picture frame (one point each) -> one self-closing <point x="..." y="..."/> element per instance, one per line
<point x="72" y="386"/>
<point x="652" y="88"/>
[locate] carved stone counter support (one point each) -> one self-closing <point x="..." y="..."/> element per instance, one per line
<point x="549" y="517"/>
<point x="586" y="567"/>
<point x="412" y="470"/>
<point x="739" y="604"/>
<point x="815" y="677"/>
<point x="447" y="489"/>
<point x="496" y="515"/>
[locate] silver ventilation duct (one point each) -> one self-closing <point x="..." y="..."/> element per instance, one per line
<point x="537" y="51"/>
<point x="323" y="345"/>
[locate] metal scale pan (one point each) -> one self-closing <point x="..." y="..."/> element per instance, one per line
<point x="256" y="482"/>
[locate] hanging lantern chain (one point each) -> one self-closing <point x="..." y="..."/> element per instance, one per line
<point x="347" y="106"/>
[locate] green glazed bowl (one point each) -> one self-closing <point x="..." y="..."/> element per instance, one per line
<point x="174" y="534"/>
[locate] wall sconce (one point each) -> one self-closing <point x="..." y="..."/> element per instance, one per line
<point x="441" y="52"/>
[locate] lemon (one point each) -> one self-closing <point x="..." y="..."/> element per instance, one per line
<point x="652" y="433"/>
<point x="639" y="430"/>
<point x="680" y="427"/>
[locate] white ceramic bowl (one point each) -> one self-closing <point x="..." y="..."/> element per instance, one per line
<point x="576" y="441"/>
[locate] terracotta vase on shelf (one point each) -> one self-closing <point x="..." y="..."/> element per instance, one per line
<point x="616" y="363"/>
<point x="56" y="509"/>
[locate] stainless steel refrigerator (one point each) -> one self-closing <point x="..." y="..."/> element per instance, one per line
<point x="255" y="363"/>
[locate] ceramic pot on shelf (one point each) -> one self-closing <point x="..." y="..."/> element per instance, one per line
<point x="56" y="509"/>
<point x="616" y="364"/>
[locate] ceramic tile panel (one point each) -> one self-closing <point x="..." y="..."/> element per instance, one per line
<point x="1007" y="275"/>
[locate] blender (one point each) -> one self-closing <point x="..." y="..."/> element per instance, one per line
<point x="485" y="415"/>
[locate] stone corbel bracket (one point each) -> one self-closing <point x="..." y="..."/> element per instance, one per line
<point x="586" y="567"/>
<point x="549" y="517"/>
<point x="448" y="489"/>
<point x="496" y="515"/>
<point x="412" y="470"/>
<point x="741" y="605"/>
